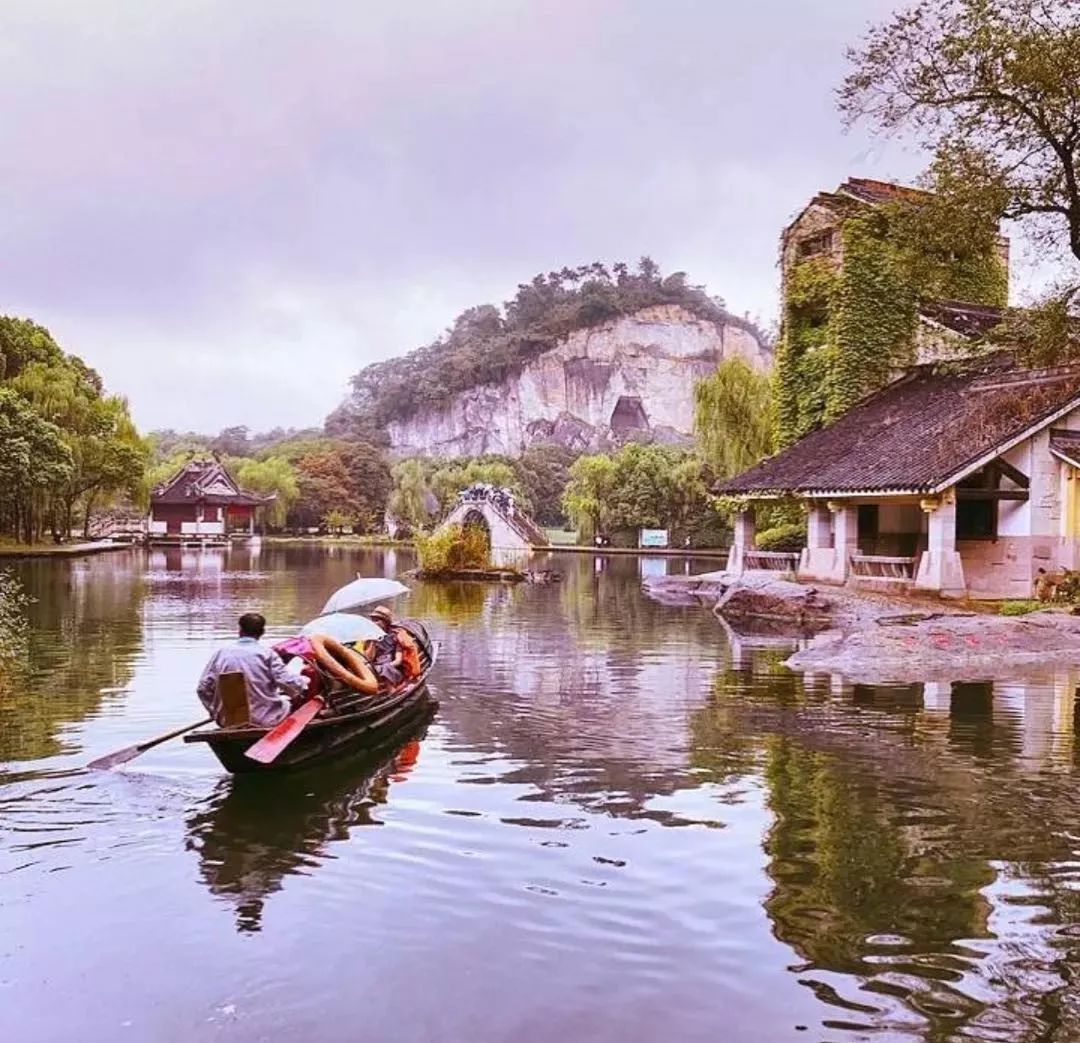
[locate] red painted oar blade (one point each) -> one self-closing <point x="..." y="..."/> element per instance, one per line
<point x="275" y="740"/>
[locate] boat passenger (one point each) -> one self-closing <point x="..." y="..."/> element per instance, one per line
<point x="269" y="684"/>
<point x="389" y="657"/>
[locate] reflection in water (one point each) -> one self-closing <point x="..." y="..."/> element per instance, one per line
<point x="850" y="861"/>
<point x="887" y="806"/>
<point x="253" y="832"/>
<point x="85" y="633"/>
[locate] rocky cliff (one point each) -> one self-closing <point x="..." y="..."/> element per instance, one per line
<point x="630" y="379"/>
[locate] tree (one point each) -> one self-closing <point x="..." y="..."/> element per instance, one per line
<point x="450" y="479"/>
<point x="991" y="89"/>
<point x="587" y="494"/>
<point x="337" y="520"/>
<point x="733" y="417"/>
<point x="542" y="472"/>
<point x="323" y="484"/>
<point x="34" y="462"/>
<point x="272" y="476"/>
<point x="108" y="456"/>
<point x="412" y="503"/>
<point x="369" y="483"/>
<point x="232" y="441"/>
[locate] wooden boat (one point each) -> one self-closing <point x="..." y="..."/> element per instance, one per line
<point x="355" y="722"/>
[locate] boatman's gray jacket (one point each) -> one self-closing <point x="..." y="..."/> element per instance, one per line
<point x="268" y="682"/>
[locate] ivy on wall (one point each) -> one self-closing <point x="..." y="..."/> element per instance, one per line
<point x="848" y="328"/>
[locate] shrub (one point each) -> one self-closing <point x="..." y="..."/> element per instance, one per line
<point x="454" y="547"/>
<point x="13" y="626"/>
<point x="790" y="536"/>
<point x="1020" y="608"/>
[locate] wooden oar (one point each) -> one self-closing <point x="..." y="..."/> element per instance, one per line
<point x="280" y="736"/>
<point x="131" y="752"/>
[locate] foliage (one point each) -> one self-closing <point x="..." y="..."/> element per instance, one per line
<point x="486" y="344"/>
<point x="451" y="478"/>
<point x="990" y="89"/>
<point x="733" y="417"/>
<point x="542" y="474"/>
<point x="349" y="479"/>
<point x="1020" y="608"/>
<point x="454" y="547"/>
<point x="271" y="476"/>
<point x="641" y="486"/>
<point x="336" y="521"/>
<point x="14" y="629"/>
<point x="995" y="82"/>
<point x="847" y="329"/>
<point x="587" y="494"/>
<point x="412" y="503"/>
<point x="789" y="536"/>
<point x="426" y="489"/>
<point x="34" y="461"/>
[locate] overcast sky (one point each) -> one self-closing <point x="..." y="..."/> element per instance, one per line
<point x="229" y="207"/>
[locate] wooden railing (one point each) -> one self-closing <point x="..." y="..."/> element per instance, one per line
<point x="880" y="566"/>
<point x="770" y="560"/>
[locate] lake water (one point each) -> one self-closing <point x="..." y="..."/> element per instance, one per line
<point x="621" y="825"/>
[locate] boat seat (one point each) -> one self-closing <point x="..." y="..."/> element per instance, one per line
<point x="232" y="691"/>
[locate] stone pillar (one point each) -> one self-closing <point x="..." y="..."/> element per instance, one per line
<point x="940" y="568"/>
<point x="743" y="540"/>
<point x="845" y="539"/>
<point x="818" y="527"/>
<point x="817" y="561"/>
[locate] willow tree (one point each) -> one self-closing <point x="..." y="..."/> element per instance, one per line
<point x="274" y="476"/>
<point x="992" y="89"/>
<point x="588" y="492"/>
<point x="733" y="417"/>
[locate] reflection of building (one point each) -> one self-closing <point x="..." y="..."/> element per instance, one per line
<point x="202" y="504"/>
<point x="908" y="871"/>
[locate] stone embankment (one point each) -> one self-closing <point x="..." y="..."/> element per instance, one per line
<point x="875" y="638"/>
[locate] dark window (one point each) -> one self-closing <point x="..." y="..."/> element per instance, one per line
<point x="868" y="528"/>
<point x="868" y="521"/>
<point x="813" y="245"/>
<point x="976" y="519"/>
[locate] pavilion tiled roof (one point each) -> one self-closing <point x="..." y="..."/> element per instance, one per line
<point x="1066" y="445"/>
<point x="207" y="482"/>
<point x="919" y="434"/>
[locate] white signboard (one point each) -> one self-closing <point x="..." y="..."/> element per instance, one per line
<point x="653" y="538"/>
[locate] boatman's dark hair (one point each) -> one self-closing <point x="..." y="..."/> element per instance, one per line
<point x="252" y="625"/>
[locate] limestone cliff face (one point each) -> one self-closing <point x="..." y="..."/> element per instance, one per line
<point x="630" y="379"/>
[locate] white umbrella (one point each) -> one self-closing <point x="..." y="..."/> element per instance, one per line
<point x="344" y="627"/>
<point x="363" y="591"/>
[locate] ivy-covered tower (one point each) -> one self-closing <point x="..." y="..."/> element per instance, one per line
<point x="872" y="282"/>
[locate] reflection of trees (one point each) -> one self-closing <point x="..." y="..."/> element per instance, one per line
<point x="85" y="634"/>
<point x="903" y="852"/>
<point x="455" y="601"/>
<point x="256" y="831"/>
<point x="845" y="866"/>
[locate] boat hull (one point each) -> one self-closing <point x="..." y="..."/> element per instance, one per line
<point x="322" y="739"/>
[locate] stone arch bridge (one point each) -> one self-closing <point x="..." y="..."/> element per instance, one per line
<point x="512" y="533"/>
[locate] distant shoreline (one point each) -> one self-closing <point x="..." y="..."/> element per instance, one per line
<point x="60" y="550"/>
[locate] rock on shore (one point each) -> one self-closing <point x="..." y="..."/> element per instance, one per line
<point x="872" y="638"/>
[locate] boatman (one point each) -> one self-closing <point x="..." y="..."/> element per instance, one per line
<point x="269" y="685"/>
